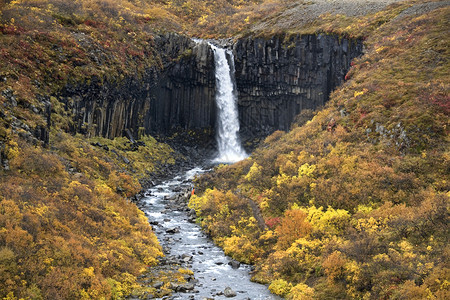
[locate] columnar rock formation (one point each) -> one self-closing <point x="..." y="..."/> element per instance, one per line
<point x="279" y="77"/>
<point x="276" y="79"/>
<point x="176" y="95"/>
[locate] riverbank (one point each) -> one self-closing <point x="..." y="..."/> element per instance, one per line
<point x="193" y="267"/>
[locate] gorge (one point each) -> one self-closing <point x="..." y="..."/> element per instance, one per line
<point x="108" y="109"/>
<point x="275" y="79"/>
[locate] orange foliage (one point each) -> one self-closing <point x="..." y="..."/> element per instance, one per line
<point x="64" y="235"/>
<point x="334" y="266"/>
<point x="292" y="227"/>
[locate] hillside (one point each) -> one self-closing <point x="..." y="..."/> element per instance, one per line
<point x="353" y="201"/>
<point x="67" y="227"/>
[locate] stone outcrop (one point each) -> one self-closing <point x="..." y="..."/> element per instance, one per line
<point x="184" y="95"/>
<point x="178" y="95"/>
<point x="276" y="78"/>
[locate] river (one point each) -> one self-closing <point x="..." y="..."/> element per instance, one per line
<point x="184" y="243"/>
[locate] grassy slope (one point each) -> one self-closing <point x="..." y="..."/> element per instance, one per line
<point x="353" y="203"/>
<point x="65" y="229"/>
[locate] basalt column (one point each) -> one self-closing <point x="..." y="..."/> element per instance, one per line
<point x="176" y="93"/>
<point x="184" y="96"/>
<point x="276" y="78"/>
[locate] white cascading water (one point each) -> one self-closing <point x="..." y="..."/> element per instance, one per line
<point x="230" y="148"/>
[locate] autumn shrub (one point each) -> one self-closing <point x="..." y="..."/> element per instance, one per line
<point x="361" y="211"/>
<point x="280" y="287"/>
<point x="292" y="227"/>
<point x="68" y="223"/>
<point x="241" y="248"/>
<point x="301" y="291"/>
<point x="334" y="266"/>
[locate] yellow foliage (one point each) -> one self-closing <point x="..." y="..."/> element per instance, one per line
<point x="241" y="248"/>
<point x="306" y="252"/>
<point x="331" y="222"/>
<point x="280" y="287"/>
<point x="196" y="202"/>
<point x="254" y="172"/>
<point x="11" y="149"/>
<point x="370" y="224"/>
<point x="185" y="271"/>
<point x="283" y="179"/>
<point x="301" y="291"/>
<point x="88" y="272"/>
<point x="306" y="170"/>
<point x="202" y="20"/>
<point x="356" y="94"/>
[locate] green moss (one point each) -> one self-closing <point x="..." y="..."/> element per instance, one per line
<point x="137" y="160"/>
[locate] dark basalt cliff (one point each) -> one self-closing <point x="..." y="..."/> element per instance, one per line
<point x="279" y="77"/>
<point x="276" y="78"/>
<point x="178" y="94"/>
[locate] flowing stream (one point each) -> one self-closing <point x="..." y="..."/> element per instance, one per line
<point x="216" y="276"/>
<point x="186" y="245"/>
<point x="230" y="148"/>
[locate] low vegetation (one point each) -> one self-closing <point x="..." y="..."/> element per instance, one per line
<point x="354" y="203"/>
<point x="68" y="230"/>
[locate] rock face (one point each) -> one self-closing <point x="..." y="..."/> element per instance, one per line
<point x="184" y="95"/>
<point x="279" y="77"/>
<point x="177" y="95"/>
<point x="276" y="78"/>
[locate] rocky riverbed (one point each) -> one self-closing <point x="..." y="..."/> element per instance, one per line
<point x="195" y="267"/>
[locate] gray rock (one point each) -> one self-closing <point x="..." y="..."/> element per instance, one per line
<point x="172" y="230"/>
<point x="174" y="286"/>
<point x="185" y="287"/>
<point x="186" y="257"/>
<point x="234" y="264"/>
<point x="229" y="293"/>
<point x="158" y="284"/>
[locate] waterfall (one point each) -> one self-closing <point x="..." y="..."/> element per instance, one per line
<point x="229" y="145"/>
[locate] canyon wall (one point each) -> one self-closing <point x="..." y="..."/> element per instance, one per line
<point x="175" y="94"/>
<point x="279" y="77"/>
<point x="276" y="78"/>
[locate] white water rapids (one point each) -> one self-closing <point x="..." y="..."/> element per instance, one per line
<point x="229" y="145"/>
